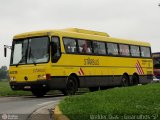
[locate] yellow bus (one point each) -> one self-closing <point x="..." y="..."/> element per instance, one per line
<point x="68" y="59"/>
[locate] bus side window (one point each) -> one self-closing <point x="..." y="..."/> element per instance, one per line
<point x="85" y="46"/>
<point x="55" y="45"/>
<point x="70" y="45"/>
<point x="99" y="48"/>
<point x="145" y="52"/>
<point x="135" y="51"/>
<point x="124" y="50"/>
<point x="112" y="49"/>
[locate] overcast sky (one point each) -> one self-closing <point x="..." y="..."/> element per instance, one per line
<point x="129" y="19"/>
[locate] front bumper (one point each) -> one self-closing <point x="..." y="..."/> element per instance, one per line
<point x="53" y="84"/>
<point x="42" y="84"/>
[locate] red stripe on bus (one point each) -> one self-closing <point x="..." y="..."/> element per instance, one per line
<point x="140" y="67"/>
<point x="81" y="71"/>
<point x="141" y="72"/>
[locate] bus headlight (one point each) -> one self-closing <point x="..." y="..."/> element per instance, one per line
<point x="12" y="79"/>
<point x="41" y="77"/>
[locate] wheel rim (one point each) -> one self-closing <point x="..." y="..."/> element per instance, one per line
<point x="71" y="87"/>
<point x="135" y="80"/>
<point x="124" y="81"/>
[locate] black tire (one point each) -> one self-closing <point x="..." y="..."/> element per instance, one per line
<point x="124" y="81"/>
<point x="135" y="80"/>
<point x="39" y="93"/>
<point x="64" y="92"/>
<point x="103" y="87"/>
<point x="92" y="89"/>
<point x="71" y="86"/>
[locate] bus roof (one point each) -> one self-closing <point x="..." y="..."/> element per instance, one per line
<point x="91" y="32"/>
<point x="80" y="33"/>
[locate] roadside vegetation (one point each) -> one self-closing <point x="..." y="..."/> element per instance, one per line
<point x="137" y="102"/>
<point x="5" y="90"/>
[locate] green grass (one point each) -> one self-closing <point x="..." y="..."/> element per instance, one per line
<point x="118" y="103"/>
<point x="5" y="90"/>
<point x="3" y="80"/>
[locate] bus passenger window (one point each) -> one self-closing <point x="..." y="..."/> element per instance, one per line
<point x="135" y="52"/>
<point x="112" y="48"/>
<point x="145" y="52"/>
<point x="85" y="46"/>
<point x="55" y="45"/>
<point x="99" y="48"/>
<point x="70" y="45"/>
<point x="124" y="50"/>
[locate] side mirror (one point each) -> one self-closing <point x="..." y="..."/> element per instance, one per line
<point x="5" y="51"/>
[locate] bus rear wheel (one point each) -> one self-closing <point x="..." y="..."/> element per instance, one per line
<point x="135" y="79"/>
<point x="39" y="93"/>
<point x="124" y="81"/>
<point x="71" y="86"/>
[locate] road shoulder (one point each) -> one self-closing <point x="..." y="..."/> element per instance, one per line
<point x="58" y="115"/>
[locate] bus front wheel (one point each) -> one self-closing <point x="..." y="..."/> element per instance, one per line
<point x="71" y="86"/>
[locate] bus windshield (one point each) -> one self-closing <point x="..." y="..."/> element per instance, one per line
<point x="30" y="51"/>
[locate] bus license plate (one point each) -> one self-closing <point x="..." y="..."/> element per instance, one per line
<point x="27" y="87"/>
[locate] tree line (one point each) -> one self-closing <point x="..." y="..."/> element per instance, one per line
<point x="4" y="73"/>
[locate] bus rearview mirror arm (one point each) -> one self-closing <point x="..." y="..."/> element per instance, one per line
<point x="5" y="49"/>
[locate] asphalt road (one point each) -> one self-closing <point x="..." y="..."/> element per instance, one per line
<point x="28" y="108"/>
